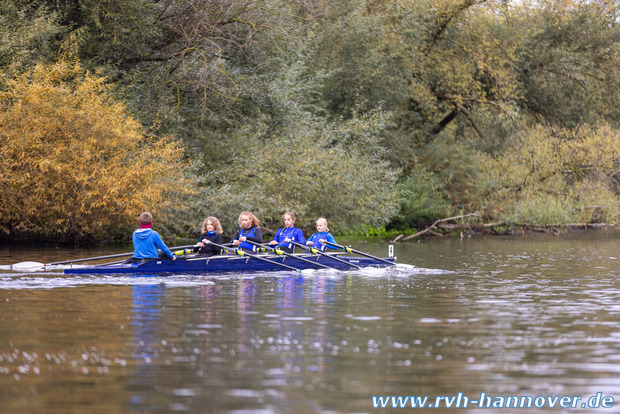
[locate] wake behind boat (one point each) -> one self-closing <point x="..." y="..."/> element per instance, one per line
<point x="236" y="263"/>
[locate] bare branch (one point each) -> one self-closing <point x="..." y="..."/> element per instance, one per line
<point x="434" y="225"/>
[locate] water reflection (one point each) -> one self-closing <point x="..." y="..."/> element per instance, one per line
<point x="146" y="334"/>
<point x="505" y="317"/>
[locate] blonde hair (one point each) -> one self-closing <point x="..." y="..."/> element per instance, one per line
<point x="289" y="213"/>
<point x="215" y="222"/>
<point x="255" y="221"/>
<point x="322" y="220"/>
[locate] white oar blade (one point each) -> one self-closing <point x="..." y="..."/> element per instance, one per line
<point x="27" y="266"/>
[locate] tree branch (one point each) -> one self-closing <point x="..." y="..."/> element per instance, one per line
<point x="434" y="225"/>
<point x="445" y="19"/>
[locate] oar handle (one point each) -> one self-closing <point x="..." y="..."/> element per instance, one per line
<point x="350" y="250"/>
<point x="336" y="245"/>
<point x="313" y="249"/>
<point x="224" y="247"/>
<point x="347" y="249"/>
<point x="303" y="246"/>
<point x="273" y="249"/>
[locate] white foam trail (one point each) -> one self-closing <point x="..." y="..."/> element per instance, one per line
<point x="398" y="269"/>
<point x="58" y="280"/>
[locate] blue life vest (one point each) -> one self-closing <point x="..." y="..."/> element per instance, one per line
<point x="246" y="245"/>
<point x="324" y="235"/>
<point x="287" y="232"/>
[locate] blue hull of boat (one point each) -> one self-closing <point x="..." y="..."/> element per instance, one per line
<point x="229" y="263"/>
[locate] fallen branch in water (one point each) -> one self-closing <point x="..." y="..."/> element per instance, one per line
<point x="430" y="228"/>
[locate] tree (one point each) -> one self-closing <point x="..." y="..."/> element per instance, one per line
<point x="568" y="64"/>
<point x="552" y="175"/>
<point x="289" y="158"/>
<point x="75" y="165"/>
<point x="428" y="98"/>
<point x="182" y="65"/>
<point x="28" y="35"/>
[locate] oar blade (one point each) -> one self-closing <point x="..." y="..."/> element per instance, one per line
<point x="27" y="266"/>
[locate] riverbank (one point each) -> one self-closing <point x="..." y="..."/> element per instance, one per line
<point x="439" y="229"/>
<point x="442" y="229"/>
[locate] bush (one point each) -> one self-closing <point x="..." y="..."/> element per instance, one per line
<point x="74" y="165"/>
<point x="557" y="176"/>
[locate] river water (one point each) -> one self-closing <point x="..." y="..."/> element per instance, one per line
<point x="476" y="322"/>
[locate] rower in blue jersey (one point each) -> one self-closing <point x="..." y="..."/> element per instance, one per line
<point x="250" y="230"/>
<point x="147" y="242"/>
<point x="288" y="234"/>
<point x="322" y="235"/>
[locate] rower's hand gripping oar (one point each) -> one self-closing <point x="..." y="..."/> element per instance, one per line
<point x="350" y="250"/>
<point x="240" y="252"/>
<point x="283" y="253"/>
<point x="317" y="251"/>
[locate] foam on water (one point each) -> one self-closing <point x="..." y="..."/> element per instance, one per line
<point x="398" y="270"/>
<point x="54" y="280"/>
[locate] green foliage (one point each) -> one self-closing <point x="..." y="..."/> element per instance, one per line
<point x="374" y="232"/>
<point x="75" y="165"/>
<point x="425" y="199"/>
<point x="27" y="35"/>
<point x="307" y="166"/>
<point x="555" y="176"/>
<point x="286" y="157"/>
<point x="569" y="64"/>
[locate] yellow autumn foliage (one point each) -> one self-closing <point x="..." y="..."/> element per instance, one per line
<point x="74" y="165"/>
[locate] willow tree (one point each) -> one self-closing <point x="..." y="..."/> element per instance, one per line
<point x="75" y="165"/>
<point x="551" y="175"/>
<point x="569" y="63"/>
<point x="29" y="34"/>
<point x="293" y="158"/>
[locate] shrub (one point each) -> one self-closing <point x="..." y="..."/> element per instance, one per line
<point x="74" y="165"/>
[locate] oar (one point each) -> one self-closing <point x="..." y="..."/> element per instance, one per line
<point x="87" y="259"/>
<point x="350" y="250"/>
<point x="317" y="251"/>
<point x="240" y="252"/>
<point x="27" y="266"/>
<point x="283" y="253"/>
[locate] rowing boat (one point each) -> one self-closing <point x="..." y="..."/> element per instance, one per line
<point x="234" y="263"/>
